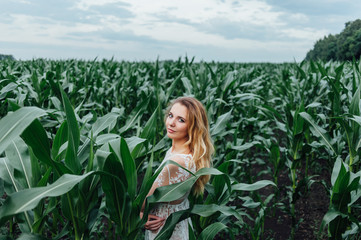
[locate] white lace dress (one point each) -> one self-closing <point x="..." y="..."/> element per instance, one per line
<point x="167" y="177"/>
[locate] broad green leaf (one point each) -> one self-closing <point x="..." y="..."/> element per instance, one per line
<point x="330" y="216"/>
<point x="144" y="189"/>
<point x="147" y="133"/>
<point x="116" y="195"/>
<point x="221" y="195"/>
<point x="150" y="127"/>
<point x="297" y="121"/>
<point x="191" y="234"/>
<point x="314" y="105"/>
<point x="248" y="96"/>
<point x="228" y="81"/>
<point x="71" y="157"/>
<point x="211" y="231"/>
<point x="28" y="199"/>
<point x="245" y="146"/>
<point x="105" y="138"/>
<point x="61" y="137"/>
<point x="30" y="236"/>
<point x="36" y="137"/>
<point x="36" y="170"/>
<point x="130" y="122"/>
<point x="338" y="170"/>
<point x="221" y="123"/>
<point x="318" y="131"/>
<point x="187" y="85"/>
<point x="173" y="86"/>
<point x="13" y="124"/>
<point x="133" y="142"/>
<point x="18" y="155"/>
<point x="129" y="168"/>
<point x="170" y="224"/>
<point x="178" y="190"/>
<point x="8" y="88"/>
<point x="107" y="121"/>
<point x="207" y="210"/>
<point x="252" y="187"/>
<point x="7" y="173"/>
<point x="355" y="103"/>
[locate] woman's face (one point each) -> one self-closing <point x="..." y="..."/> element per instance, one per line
<point x="177" y="122"/>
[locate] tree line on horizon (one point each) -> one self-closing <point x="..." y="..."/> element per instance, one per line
<point x="4" y="56"/>
<point x="339" y="47"/>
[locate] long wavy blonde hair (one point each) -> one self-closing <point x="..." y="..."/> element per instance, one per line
<point x="199" y="139"/>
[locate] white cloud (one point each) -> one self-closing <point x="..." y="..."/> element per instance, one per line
<point x="40" y="30"/>
<point x="176" y="25"/>
<point x="306" y="33"/>
<point x="174" y="21"/>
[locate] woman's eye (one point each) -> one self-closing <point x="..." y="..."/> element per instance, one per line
<point x="170" y="115"/>
<point x="181" y="120"/>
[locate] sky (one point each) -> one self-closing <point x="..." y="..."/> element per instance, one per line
<point x="146" y="30"/>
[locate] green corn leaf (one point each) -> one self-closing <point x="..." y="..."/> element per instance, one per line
<point x="355" y="103"/>
<point x="13" y="124"/>
<point x="318" y="131"/>
<point x="133" y="143"/>
<point x="107" y="121"/>
<point x="18" y="155"/>
<point x="211" y="231"/>
<point x="30" y="236"/>
<point x="28" y="199"/>
<point x="147" y="176"/>
<point x="115" y="190"/>
<point x="338" y="170"/>
<point x="170" y="224"/>
<point x="219" y="183"/>
<point x="71" y="157"/>
<point x="7" y="173"/>
<point x="330" y="216"/>
<point x="35" y="136"/>
<point x="191" y="234"/>
<point x="221" y="123"/>
<point x="228" y="81"/>
<point x="130" y="122"/>
<point x="245" y="146"/>
<point x="178" y="190"/>
<point x="106" y="138"/>
<point x="187" y="85"/>
<point x="252" y="187"/>
<point x="61" y="137"/>
<point x="173" y="86"/>
<point x="148" y="133"/>
<point x="129" y="168"/>
<point x="207" y="210"/>
<point x="298" y="121"/>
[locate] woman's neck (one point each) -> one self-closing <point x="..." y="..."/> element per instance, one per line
<point x="180" y="147"/>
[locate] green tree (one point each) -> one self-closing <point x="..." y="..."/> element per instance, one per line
<point x="3" y="56"/>
<point x="343" y="46"/>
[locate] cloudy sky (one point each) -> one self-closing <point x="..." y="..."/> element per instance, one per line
<point x="219" y="30"/>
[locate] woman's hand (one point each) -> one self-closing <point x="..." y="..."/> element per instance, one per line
<point x="154" y="223"/>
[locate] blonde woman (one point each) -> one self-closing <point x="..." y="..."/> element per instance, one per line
<point x="187" y="125"/>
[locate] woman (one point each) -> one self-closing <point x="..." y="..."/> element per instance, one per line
<point x="187" y="125"/>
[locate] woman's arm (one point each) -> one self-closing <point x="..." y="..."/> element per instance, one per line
<point x="154" y="222"/>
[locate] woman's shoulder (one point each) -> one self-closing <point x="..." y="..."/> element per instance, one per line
<point x="185" y="160"/>
<point x="178" y="157"/>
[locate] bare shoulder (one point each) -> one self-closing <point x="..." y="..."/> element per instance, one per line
<point x="181" y="160"/>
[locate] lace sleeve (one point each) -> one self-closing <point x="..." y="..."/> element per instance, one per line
<point x="171" y="173"/>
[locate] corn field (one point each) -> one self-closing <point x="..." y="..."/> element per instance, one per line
<point x="81" y="144"/>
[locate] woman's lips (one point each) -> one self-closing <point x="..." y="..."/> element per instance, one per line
<point x="170" y="130"/>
